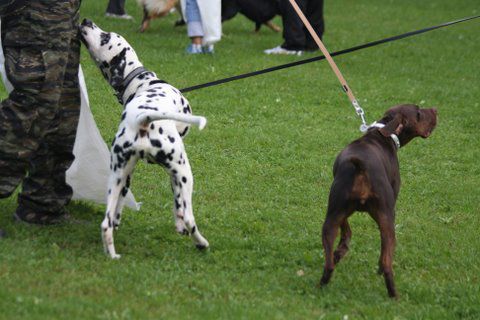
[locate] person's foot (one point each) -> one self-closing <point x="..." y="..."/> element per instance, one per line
<point x="119" y="16"/>
<point x="208" y="49"/>
<point x="32" y="217"/>
<point x="281" y="50"/>
<point x="194" y="49"/>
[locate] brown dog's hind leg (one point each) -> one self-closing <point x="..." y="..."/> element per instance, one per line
<point x="386" y="224"/>
<point x="342" y="248"/>
<point x="329" y="233"/>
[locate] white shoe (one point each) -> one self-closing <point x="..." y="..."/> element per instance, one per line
<point x="280" y="50"/>
<point x="119" y="16"/>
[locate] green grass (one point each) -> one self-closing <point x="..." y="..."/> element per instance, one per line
<point x="262" y="174"/>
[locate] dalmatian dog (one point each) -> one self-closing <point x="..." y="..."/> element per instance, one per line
<point x="155" y="119"/>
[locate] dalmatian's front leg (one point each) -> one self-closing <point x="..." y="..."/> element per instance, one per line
<point x="182" y="186"/>
<point x="117" y="189"/>
<point x="121" y="202"/>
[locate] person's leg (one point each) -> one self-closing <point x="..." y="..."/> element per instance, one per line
<point x="116" y="7"/>
<point x="45" y="192"/>
<point x="36" y="54"/>
<point x="48" y="62"/>
<point x="293" y="32"/>
<point x="194" y="26"/>
<point x="314" y="15"/>
<point x="24" y="69"/>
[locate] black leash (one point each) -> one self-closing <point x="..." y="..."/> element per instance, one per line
<point x="337" y="53"/>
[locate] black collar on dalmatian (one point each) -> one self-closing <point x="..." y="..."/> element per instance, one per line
<point x="120" y="90"/>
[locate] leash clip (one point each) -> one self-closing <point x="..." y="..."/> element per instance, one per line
<point x="364" y="126"/>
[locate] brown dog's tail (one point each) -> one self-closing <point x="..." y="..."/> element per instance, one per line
<point x="361" y="187"/>
<point x="359" y="166"/>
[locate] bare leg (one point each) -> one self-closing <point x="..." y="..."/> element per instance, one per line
<point x="197" y="40"/>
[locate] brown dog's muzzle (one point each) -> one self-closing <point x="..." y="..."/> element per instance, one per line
<point x="431" y="118"/>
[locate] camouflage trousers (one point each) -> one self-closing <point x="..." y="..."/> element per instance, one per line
<point x="38" y="120"/>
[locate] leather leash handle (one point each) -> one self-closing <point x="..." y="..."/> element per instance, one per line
<point x="333" y="65"/>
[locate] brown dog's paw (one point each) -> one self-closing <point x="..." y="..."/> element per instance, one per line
<point x="327" y="275"/>
<point x="394" y="295"/>
<point x="380" y="271"/>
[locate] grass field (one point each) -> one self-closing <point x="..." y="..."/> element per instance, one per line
<point x="262" y="174"/>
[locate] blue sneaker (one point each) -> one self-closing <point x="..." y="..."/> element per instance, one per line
<point x="208" y="49"/>
<point x="194" y="49"/>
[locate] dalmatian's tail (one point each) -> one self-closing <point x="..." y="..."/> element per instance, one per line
<point x="147" y="117"/>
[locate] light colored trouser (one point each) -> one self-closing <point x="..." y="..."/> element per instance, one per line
<point x="194" y="19"/>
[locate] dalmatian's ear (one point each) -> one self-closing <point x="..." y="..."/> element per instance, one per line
<point x="117" y="69"/>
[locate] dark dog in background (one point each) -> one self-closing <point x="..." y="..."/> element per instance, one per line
<point x="259" y="11"/>
<point x="367" y="178"/>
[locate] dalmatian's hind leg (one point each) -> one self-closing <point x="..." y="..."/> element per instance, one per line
<point x="182" y="186"/>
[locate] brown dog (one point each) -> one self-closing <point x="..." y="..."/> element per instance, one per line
<point x="367" y="178"/>
<point x="153" y="9"/>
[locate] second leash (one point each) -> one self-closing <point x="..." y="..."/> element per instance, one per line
<point x="333" y="65"/>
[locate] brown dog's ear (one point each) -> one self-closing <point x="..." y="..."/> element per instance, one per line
<point x="394" y="126"/>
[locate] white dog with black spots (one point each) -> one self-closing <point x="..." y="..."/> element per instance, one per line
<point x="155" y="118"/>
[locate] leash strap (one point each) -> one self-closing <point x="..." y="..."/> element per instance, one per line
<point x="319" y="58"/>
<point x="333" y="65"/>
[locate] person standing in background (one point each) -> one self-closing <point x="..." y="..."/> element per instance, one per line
<point x="204" y="24"/>
<point x="116" y="9"/>
<point x="296" y="36"/>
<point x="38" y="120"/>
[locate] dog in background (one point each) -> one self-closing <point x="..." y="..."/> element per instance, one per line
<point x="367" y="178"/>
<point x="155" y="119"/>
<point x="259" y="11"/>
<point x="153" y="9"/>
